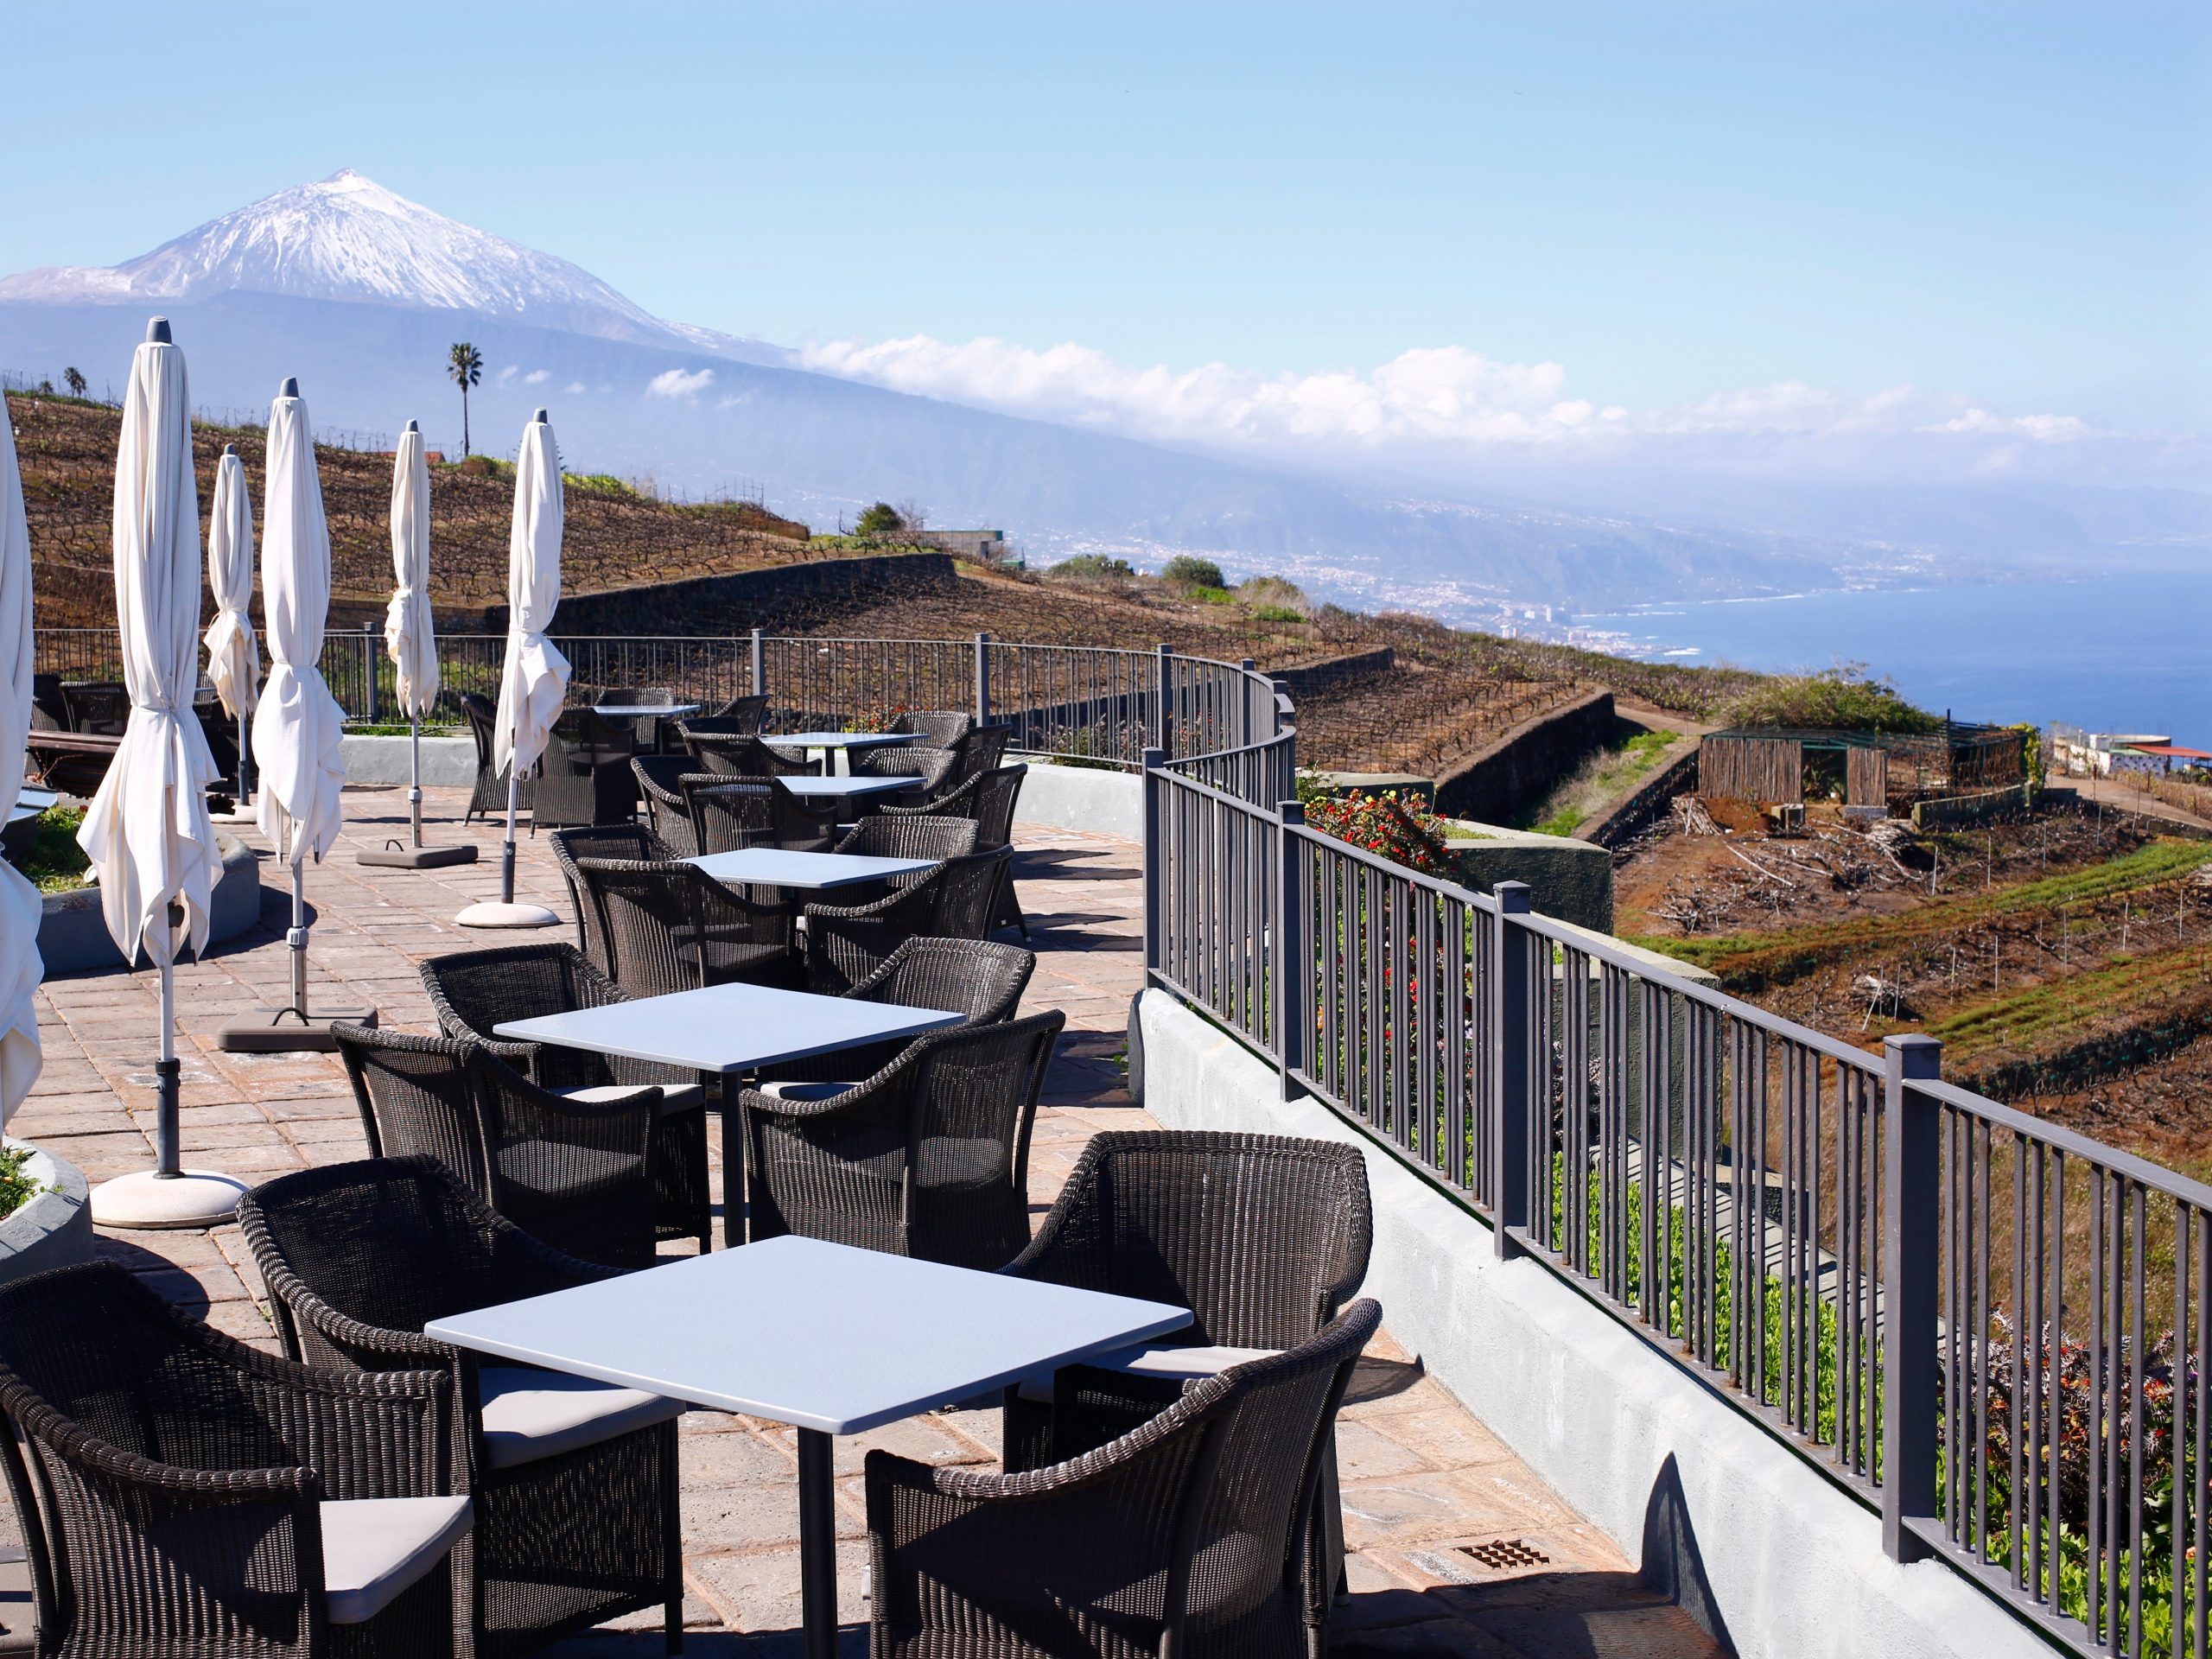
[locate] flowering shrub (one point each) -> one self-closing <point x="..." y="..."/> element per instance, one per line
<point x="1399" y="831"/>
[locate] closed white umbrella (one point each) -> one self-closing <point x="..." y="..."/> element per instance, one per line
<point x="534" y="678"/>
<point x="412" y="645"/>
<point x="20" y="906"/>
<point x="297" y="725"/>
<point x="147" y="831"/>
<point x="233" y="654"/>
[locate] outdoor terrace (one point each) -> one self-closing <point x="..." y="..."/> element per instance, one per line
<point x="1424" y="1481"/>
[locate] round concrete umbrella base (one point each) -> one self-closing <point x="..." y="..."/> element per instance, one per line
<point x="197" y="1198"/>
<point x="491" y="913"/>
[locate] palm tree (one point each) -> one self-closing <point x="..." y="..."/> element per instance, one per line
<point x="466" y="365"/>
<point x="74" y="380"/>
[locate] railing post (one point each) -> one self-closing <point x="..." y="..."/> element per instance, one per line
<point x="1161" y="684"/>
<point x="1153" y="759"/>
<point x="982" y="679"/>
<point x="1911" y="1249"/>
<point x="1509" y="1018"/>
<point x="757" y="668"/>
<point x="1294" y="953"/>
<point x="369" y="671"/>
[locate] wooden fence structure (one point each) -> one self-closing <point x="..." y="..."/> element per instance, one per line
<point x="1765" y="771"/>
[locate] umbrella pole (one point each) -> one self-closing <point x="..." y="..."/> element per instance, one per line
<point x="243" y="757"/>
<point x="414" y="775"/>
<point x="504" y="911"/>
<point x="507" y="854"/>
<point x="168" y="1156"/>
<point x="296" y="936"/>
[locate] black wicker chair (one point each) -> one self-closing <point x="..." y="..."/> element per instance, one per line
<point x="578" y="1174"/>
<point x="632" y="841"/>
<point x="741" y="754"/>
<point x="744" y="714"/>
<point x="935" y="768"/>
<point x="928" y="1158"/>
<point x="982" y="750"/>
<point x="473" y="992"/>
<point x="1180" y="1537"/>
<point x="182" y="1494"/>
<point x="670" y="927"/>
<point x="910" y="838"/>
<point x="942" y="727"/>
<point x="660" y="786"/>
<point x="1263" y="1237"/>
<point x="574" y="1481"/>
<point x="803" y="825"/>
<point x="987" y="800"/>
<point x="100" y="707"/>
<point x="584" y="776"/>
<point x="955" y="900"/>
<point x="979" y="979"/>
<point x="730" y="814"/>
<point x="489" y="797"/>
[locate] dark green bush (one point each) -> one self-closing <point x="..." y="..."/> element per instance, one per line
<point x="1184" y="570"/>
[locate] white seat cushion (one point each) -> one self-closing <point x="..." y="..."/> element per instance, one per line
<point x="674" y="1096"/>
<point x="532" y="1414"/>
<point x="796" y="1090"/>
<point x="1186" y="1364"/>
<point x="375" y="1548"/>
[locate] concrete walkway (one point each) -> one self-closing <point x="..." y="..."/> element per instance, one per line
<point x="1457" y="1548"/>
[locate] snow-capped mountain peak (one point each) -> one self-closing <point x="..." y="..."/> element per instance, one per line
<point x="349" y="237"/>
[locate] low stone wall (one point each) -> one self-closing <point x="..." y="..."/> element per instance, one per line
<point x="1969" y="808"/>
<point x="1110" y="802"/>
<point x="1569" y="879"/>
<point x="1652" y="801"/>
<point x="1771" y="1555"/>
<point x="746" y="599"/>
<point x="72" y="936"/>
<point x="1521" y="765"/>
<point x="447" y="761"/>
<point x="53" y="1230"/>
<point x="1310" y="679"/>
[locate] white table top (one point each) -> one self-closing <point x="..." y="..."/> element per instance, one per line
<point x="771" y="866"/>
<point x="659" y="710"/>
<point x="820" y="1336"/>
<point x="848" y="787"/>
<point x="837" y="740"/>
<point x="727" y="1028"/>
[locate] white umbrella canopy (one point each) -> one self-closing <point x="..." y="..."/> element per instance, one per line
<point x="297" y="725"/>
<point x="20" y="904"/>
<point x="534" y="680"/>
<point x="408" y="635"/>
<point x="233" y="654"/>
<point x="147" y="830"/>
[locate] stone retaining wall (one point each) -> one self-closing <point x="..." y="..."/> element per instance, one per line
<point x="1521" y="765"/>
<point x="745" y="599"/>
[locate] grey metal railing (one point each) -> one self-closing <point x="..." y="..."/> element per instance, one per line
<point x="1984" y="1326"/>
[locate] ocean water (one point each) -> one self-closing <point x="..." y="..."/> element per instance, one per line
<point x="2109" y="654"/>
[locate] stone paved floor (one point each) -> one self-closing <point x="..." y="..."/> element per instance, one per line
<point x="1423" y="1481"/>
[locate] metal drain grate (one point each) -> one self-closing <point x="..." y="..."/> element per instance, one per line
<point x="1501" y="1552"/>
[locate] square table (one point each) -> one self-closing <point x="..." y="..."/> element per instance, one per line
<point x="771" y="866"/>
<point x="831" y="1339"/>
<point x="724" y="1029"/>
<point x="844" y="787"/>
<point x="644" y="710"/>
<point x="837" y="747"/>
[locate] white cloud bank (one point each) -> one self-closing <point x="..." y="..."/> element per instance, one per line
<point x="1431" y="404"/>
<point x="680" y="383"/>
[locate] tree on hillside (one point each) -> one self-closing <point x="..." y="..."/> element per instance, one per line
<point x="881" y="519"/>
<point x="466" y="365"/>
<point x="72" y="378"/>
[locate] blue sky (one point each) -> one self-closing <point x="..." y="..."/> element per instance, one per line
<point x="2009" y="203"/>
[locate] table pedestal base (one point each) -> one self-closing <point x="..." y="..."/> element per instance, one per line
<point x="818" y="1544"/>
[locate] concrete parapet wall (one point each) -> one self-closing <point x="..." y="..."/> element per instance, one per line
<point x="447" y="761"/>
<point x="1109" y="802"/>
<point x="1786" y="1565"/>
<point x="1569" y="879"/>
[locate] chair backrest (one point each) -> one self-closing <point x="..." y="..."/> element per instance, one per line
<point x="801" y="826"/>
<point x="996" y="793"/>
<point x="943" y="727"/>
<point x="102" y="706"/>
<point x="934" y="766"/>
<point x="636" y="696"/>
<point x="1262" y="1237"/>
<point x="474" y="991"/>
<point x="740" y="755"/>
<point x="967" y="895"/>
<point x="910" y="838"/>
<point x="393" y="1242"/>
<point x="49" y="711"/>
<point x="982" y="750"/>
<point x="730" y="814"/>
<point x="744" y="714"/>
<point x="648" y="913"/>
<point x="577" y="1175"/>
<point x="631" y="841"/>
<point x="478" y="711"/>
<point x="660" y="785"/>
<point x="417" y="1098"/>
<point x="955" y="900"/>
<point x="981" y="979"/>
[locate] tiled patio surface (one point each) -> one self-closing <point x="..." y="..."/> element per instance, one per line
<point x="1423" y="1481"/>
